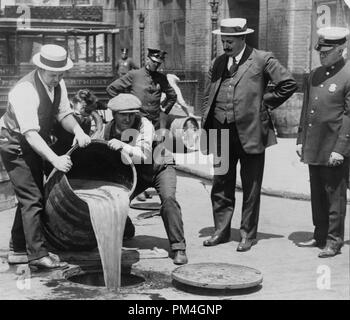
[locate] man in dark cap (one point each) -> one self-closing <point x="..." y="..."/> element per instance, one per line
<point x="147" y="84"/>
<point x="133" y="133"/>
<point x="324" y="140"/>
<point x="125" y="63"/>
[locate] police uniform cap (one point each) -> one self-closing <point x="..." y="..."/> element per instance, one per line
<point x="124" y="50"/>
<point x="330" y="37"/>
<point x="125" y="103"/>
<point x="156" y="55"/>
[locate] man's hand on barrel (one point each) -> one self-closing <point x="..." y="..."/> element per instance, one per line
<point x="82" y="139"/>
<point x="62" y="163"/>
<point x="115" y="144"/>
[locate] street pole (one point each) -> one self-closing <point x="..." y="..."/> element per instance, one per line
<point x="142" y="38"/>
<point x="214" y="5"/>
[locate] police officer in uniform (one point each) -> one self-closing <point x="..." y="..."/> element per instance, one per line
<point x="35" y="102"/>
<point x="147" y="84"/>
<point x="324" y="140"/>
<point x="125" y="63"/>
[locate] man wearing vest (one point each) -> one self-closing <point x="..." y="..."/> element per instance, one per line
<point x="236" y="101"/>
<point x="135" y="135"/>
<point x="35" y="102"/>
<point x="324" y="140"/>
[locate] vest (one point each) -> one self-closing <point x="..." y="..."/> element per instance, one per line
<point x="47" y="110"/>
<point x="224" y="100"/>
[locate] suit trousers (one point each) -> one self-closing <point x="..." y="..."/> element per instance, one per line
<point x="328" y="202"/>
<point x="223" y="190"/>
<point x="164" y="181"/>
<point x="26" y="174"/>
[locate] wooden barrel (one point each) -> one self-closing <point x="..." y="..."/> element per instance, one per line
<point x="185" y="133"/>
<point x="66" y="221"/>
<point x="287" y="116"/>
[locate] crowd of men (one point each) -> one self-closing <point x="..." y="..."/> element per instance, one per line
<point x="236" y="101"/>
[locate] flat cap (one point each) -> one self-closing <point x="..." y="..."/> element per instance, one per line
<point x="125" y="103"/>
<point x="330" y="37"/>
<point x="156" y="55"/>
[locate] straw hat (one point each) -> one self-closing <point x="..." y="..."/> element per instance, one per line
<point x="52" y="58"/>
<point x="233" y="27"/>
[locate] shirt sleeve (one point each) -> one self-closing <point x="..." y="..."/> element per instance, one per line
<point x="140" y="149"/>
<point x="25" y="103"/>
<point x="64" y="108"/>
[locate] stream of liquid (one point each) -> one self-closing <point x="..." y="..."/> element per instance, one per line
<point x="109" y="206"/>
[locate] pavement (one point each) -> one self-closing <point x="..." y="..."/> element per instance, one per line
<point x="284" y="175"/>
<point x="289" y="272"/>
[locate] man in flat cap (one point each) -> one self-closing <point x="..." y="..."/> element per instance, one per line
<point x="35" y="102"/>
<point x="125" y="63"/>
<point x="133" y="133"/>
<point x="147" y="84"/>
<point x="236" y="101"/>
<point x="324" y="140"/>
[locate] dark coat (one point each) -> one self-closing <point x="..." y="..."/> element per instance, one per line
<point x="325" y="118"/>
<point x="252" y="104"/>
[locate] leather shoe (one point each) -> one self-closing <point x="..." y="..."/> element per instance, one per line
<point x="245" y="245"/>
<point x="328" y="251"/>
<point x="310" y="244"/>
<point x="180" y="257"/>
<point x="214" y="241"/>
<point x="47" y="262"/>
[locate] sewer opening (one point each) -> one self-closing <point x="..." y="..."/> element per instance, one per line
<point x="96" y="279"/>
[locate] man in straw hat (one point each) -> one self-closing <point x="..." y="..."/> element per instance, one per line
<point x="324" y="140"/>
<point x="35" y="102"/>
<point x="133" y="133"/>
<point x="236" y="101"/>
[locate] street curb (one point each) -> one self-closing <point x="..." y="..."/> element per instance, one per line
<point x="264" y="191"/>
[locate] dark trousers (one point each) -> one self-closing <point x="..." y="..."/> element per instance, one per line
<point x="328" y="202"/>
<point x="223" y="190"/>
<point x="164" y="181"/>
<point x="26" y="174"/>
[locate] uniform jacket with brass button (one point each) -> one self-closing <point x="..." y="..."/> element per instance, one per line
<point x="251" y="101"/>
<point x="325" y="118"/>
<point x="148" y="87"/>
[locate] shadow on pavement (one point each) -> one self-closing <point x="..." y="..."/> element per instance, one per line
<point x="236" y="236"/>
<point x="147" y="242"/>
<point x="300" y="236"/>
<point x="215" y="292"/>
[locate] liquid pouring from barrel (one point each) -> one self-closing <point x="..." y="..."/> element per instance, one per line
<point x="68" y="224"/>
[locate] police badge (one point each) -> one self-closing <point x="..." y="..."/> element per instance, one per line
<point x="332" y="87"/>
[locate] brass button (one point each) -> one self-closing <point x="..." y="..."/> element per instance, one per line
<point x="310" y="125"/>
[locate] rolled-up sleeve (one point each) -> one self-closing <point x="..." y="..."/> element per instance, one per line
<point x="25" y="103"/>
<point x="64" y="108"/>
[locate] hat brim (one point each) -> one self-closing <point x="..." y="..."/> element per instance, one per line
<point x="127" y="111"/>
<point x="218" y="31"/>
<point x="321" y="48"/>
<point x="38" y="63"/>
<point x="156" y="60"/>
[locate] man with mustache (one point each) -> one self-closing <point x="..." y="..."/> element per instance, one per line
<point x="324" y="140"/>
<point x="236" y="101"/>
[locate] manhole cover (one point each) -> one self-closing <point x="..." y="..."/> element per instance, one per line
<point x="96" y="279"/>
<point x="145" y="205"/>
<point x="217" y="276"/>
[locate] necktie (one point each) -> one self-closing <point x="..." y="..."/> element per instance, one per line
<point x="232" y="65"/>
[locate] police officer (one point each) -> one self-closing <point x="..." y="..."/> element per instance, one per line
<point x="147" y="84"/>
<point x="34" y="102"/>
<point x="125" y="63"/>
<point x="324" y="140"/>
